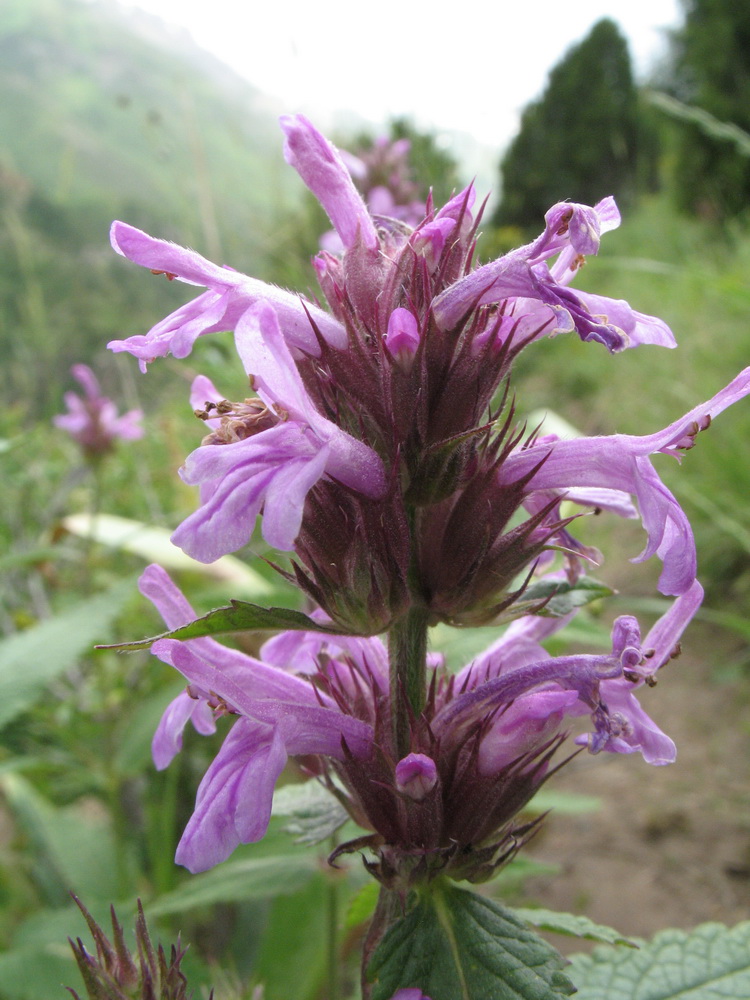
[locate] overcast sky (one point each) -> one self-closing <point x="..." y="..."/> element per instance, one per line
<point x="466" y="65"/>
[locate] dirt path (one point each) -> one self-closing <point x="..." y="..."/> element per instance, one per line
<point x="671" y="845"/>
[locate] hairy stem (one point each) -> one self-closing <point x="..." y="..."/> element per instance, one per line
<point x="388" y="910"/>
<point x="407" y="651"/>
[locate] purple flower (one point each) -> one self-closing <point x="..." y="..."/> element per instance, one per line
<point x="380" y="448"/>
<point x="378" y="398"/>
<point x="275" y="468"/>
<point x="416" y="776"/>
<point x="92" y="420"/>
<point x="321" y="167"/>
<point x="492" y="728"/>
<point x="621" y="463"/>
<point x="572" y="231"/>
<point x="230" y="295"/>
<point x="279" y="715"/>
<point x="381" y="172"/>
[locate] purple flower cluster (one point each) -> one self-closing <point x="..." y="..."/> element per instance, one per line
<point x="380" y="450"/>
<point x="479" y="752"/>
<point x="92" y="420"/>
<point x="383" y="175"/>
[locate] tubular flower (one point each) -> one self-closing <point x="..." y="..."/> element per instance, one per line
<point x="371" y="444"/>
<point x="379" y="447"/>
<point x="621" y="463"/>
<point x="481" y="748"/>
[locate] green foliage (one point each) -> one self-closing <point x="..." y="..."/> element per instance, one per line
<point x="312" y="813"/>
<point x="176" y="148"/>
<point x="73" y="849"/>
<point x="291" y="957"/>
<point x="153" y="544"/>
<point x="711" y="71"/>
<point x="29" y="660"/>
<point x="101" y="122"/>
<point x="239" y="616"/>
<point x="710" y="963"/>
<point x="237" y="881"/>
<point x="579" y="141"/>
<point x="559" y="597"/>
<point x="433" y="165"/>
<point x="572" y="925"/>
<point x="455" y="944"/>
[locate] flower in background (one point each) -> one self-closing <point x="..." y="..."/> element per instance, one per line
<point x="382" y="173"/>
<point x="92" y="420"/>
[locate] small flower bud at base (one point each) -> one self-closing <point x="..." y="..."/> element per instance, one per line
<point x="416" y="776"/>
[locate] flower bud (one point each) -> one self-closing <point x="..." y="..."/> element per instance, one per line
<point x="416" y="776"/>
<point x="402" y="338"/>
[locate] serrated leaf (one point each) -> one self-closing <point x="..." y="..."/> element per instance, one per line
<point x="572" y="925"/>
<point x="314" y="813"/>
<point x="711" y="962"/>
<point x="238" y="616"/>
<point x="565" y="597"/>
<point x="237" y="881"/>
<point x="456" y="945"/>
<point x="30" y="659"/>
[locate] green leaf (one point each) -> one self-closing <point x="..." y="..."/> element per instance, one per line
<point x="133" y="745"/>
<point x="239" y="616"/>
<point x="30" y="659"/>
<point x="711" y="962"/>
<point x="460" y="645"/>
<point x="314" y="812"/>
<point x="154" y="545"/>
<point x="237" y="881"/>
<point x="31" y="557"/>
<point x="456" y="945"/>
<point x="291" y="958"/>
<point x="512" y="876"/>
<point x="565" y="803"/>
<point x="572" y="926"/>
<point x="74" y="845"/>
<point x="38" y="973"/>
<point x="362" y="905"/>
<point x="564" y="597"/>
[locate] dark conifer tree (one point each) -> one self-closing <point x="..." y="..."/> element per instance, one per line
<point x="711" y="70"/>
<point x="579" y="140"/>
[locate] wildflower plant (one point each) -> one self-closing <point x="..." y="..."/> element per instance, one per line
<point x="93" y="420"/>
<point x="379" y="448"/>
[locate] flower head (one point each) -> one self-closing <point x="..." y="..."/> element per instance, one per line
<point x="92" y="420"/>
<point x="481" y="749"/>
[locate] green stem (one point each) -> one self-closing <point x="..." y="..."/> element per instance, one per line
<point x="407" y="651"/>
<point x="332" y="915"/>
<point x="387" y="911"/>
